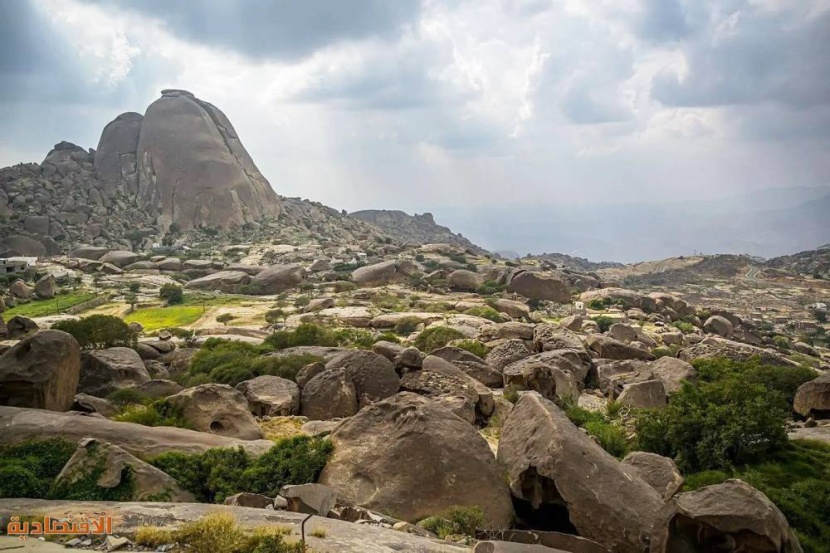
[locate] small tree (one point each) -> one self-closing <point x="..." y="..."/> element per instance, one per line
<point x="171" y="294"/>
<point x="273" y="316"/>
<point x="225" y="318"/>
<point x="132" y="299"/>
<point x="98" y="331"/>
<point x="134" y="287"/>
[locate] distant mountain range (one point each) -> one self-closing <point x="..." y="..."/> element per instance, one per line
<point x="414" y="229"/>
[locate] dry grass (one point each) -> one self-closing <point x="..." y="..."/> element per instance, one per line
<point x="282" y="427"/>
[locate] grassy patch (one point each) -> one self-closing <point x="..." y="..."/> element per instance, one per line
<point x="473" y="346"/>
<point x="436" y="337"/>
<point x="605" y="428"/>
<point x="28" y="469"/>
<point x="157" y="413"/>
<point x="157" y="318"/>
<point x="454" y="521"/>
<point x="44" y="308"/>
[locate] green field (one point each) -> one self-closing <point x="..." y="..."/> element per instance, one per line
<point x="156" y="318"/>
<point x="43" y="308"/>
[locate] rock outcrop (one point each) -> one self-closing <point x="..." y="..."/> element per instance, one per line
<point x="219" y="409"/>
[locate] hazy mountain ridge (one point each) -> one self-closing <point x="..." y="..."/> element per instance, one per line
<point x="414" y="229"/>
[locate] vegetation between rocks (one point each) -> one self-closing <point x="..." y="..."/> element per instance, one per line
<point x="455" y="521"/>
<point x="98" y="331"/>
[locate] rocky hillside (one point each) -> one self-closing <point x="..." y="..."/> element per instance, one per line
<point x="565" y="261"/>
<point x="165" y="176"/>
<point x="815" y="263"/>
<point x="414" y="230"/>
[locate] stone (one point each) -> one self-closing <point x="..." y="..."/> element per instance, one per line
<point x="553" y="374"/>
<point x="373" y="376"/>
<point x="390" y="320"/>
<point x="115" y="157"/>
<point x="551" y="463"/>
<point x="146" y="352"/>
<point x="320" y="428"/>
<point x="114" y="543"/>
<point x="169" y="264"/>
<point x="509" y="547"/>
<point x="311" y="499"/>
<point x="45" y="287"/>
<point x="713" y="347"/>
<point x="271" y="396"/>
<point x="620" y="296"/>
<point x="104" y="371"/>
<point x="89" y="252"/>
<point x="278" y="278"/>
<point x="506" y="353"/>
<point x="120" y="258"/>
<point x="609" y="348"/>
<point x="318" y="304"/>
<point x="515" y="309"/>
<point x="485" y="404"/>
<point x="630" y="333"/>
<point x="464" y="281"/>
<point x="91" y="404"/>
<point x="20" y="327"/>
<point x="643" y="395"/>
<point x="17" y="245"/>
<point x="41" y="371"/>
<point x="20" y="289"/>
<point x="378" y="274"/>
<point x="719" y="325"/>
<point x="806" y="349"/>
<point x="657" y="471"/>
<point x="329" y="394"/>
<point x="145" y="442"/>
<point x="471" y="364"/>
<point x="223" y="281"/>
<point x="731" y="513"/>
<point x="673" y="372"/>
<point x="247" y="499"/>
<point x="408" y="457"/>
<point x="613" y="376"/>
<point x="219" y="409"/>
<point x="447" y="390"/>
<point x="308" y="372"/>
<point x="540" y="286"/>
<point x="547" y="337"/>
<point x="179" y="132"/>
<point x="572" y="323"/>
<point x="149" y="482"/>
<point x="158" y="388"/>
<point x="812" y="399"/>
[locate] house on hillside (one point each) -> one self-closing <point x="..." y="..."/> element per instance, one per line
<point x="17" y="265"/>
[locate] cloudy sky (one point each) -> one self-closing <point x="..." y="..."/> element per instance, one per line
<point x="470" y="109"/>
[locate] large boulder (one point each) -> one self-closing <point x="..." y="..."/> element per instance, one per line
<point x="373" y="376"/>
<point x="20" y="289"/>
<point x="410" y="458"/>
<point x="714" y="347"/>
<point x="115" y="157"/>
<point x="41" y="371"/>
<point x="328" y="395"/>
<point x="219" y="409"/>
<point x="23" y="245"/>
<point x="471" y="364"/>
<point x="506" y="353"/>
<point x="452" y="392"/>
<point x="731" y="513"/>
<point x="464" y="280"/>
<point x="45" y="287"/>
<point x="88" y="252"/>
<point x="111" y="465"/>
<point x="609" y="348"/>
<point x="142" y="441"/>
<point x="547" y="337"/>
<point x="107" y="370"/>
<point x="222" y="281"/>
<point x="278" y="278"/>
<point x="812" y="399"/>
<point x="120" y="258"/>
<point x="385" y="272"/>
<point x="613" y="376"/>
<point x="554" y="374"/>
<point x="540" y="286"/>
<point x="485" y="404"/>
<point x="658" y="472"/>
<point x="716" y="324"/>
<point x="552" y="466"/>
<point x="20" y="327"/>
<point x="271" y="396"/>
<point x="630" y="333"/>
<point x="516" y="309"/>
<point x="649" y="394"/>
<point x="193" y="169"/>
<point x="620" y="296"/>
<point x="312" y="499"/>
<point x="673" y="372"/>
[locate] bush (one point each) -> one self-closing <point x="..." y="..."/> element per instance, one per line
<point x="307" y="334"/>
<point x="302" y="301"/>
<point x="273" y="316"/>
<point x="407" y="325"/>
<point x="28" y="469"/>
<point x="611" y="436"/>
<point x="684" y="327"/>
<point x="85" y="487"/>
<point x="784" y="379"/>
<point x="98" y="331"/>
<point x="604" y="322"/>
<point x="781" y="342"/>
<point x="485" y="313"/>
<point x="455" y="521"/>
<point x="171" y="294"/>
<point x="473" y="346"/>
<point x="344" y="286"/>
<point x="225" y="318"/>
<point x="436" y="337"/>
<point x="218" y="473"/>
<point x="489" y="288"/>
<point x="717" y="424"/>
<point x="157" y="413"/>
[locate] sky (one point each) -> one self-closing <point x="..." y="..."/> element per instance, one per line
<point x="478" y="111"/>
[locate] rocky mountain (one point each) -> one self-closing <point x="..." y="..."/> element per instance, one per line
<point x="173" y="172"/>
<point x="815" y="263"/>
<point x="570" y="262"/>
<point x="414" y="230"/>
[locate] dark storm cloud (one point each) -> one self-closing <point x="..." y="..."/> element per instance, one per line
<point x="280" y="29"/>
<point x="766" y="57"/>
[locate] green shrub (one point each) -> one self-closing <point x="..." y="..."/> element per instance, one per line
<point x="714" y="425"/>
<point x="344" y="286"/>
<point x="171" y="294"/>
<point x="436" y="337"/>
<point x="485" y="312"/>
<point x="28" y="469"/>
<point x="604" y="322"/>
<point x="670" y="351"/>
<point x="301" y="301"/>
<point x="84" y="487"/>
<point x="489" y="288"/>
<point x="127" y="396"/>
<point x="455" y="521"/>
<point x="388" y="337"/>
<point x="218" y="473"/>
<point x="611" y="436"/>
<point x="419" y="257"/>
<point x="473" y="346"/>
<point x="783" y="379"/>
<point x="458" y="258"/>
<point x="781" y="342"/>
<point x="98" y="331"/>
<point x="157" y="413"/>
<point x="307" y="334"/>
<point x="273" y="316"/>
<point x="407" y="325"/>
<point x="684" y="327"/>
